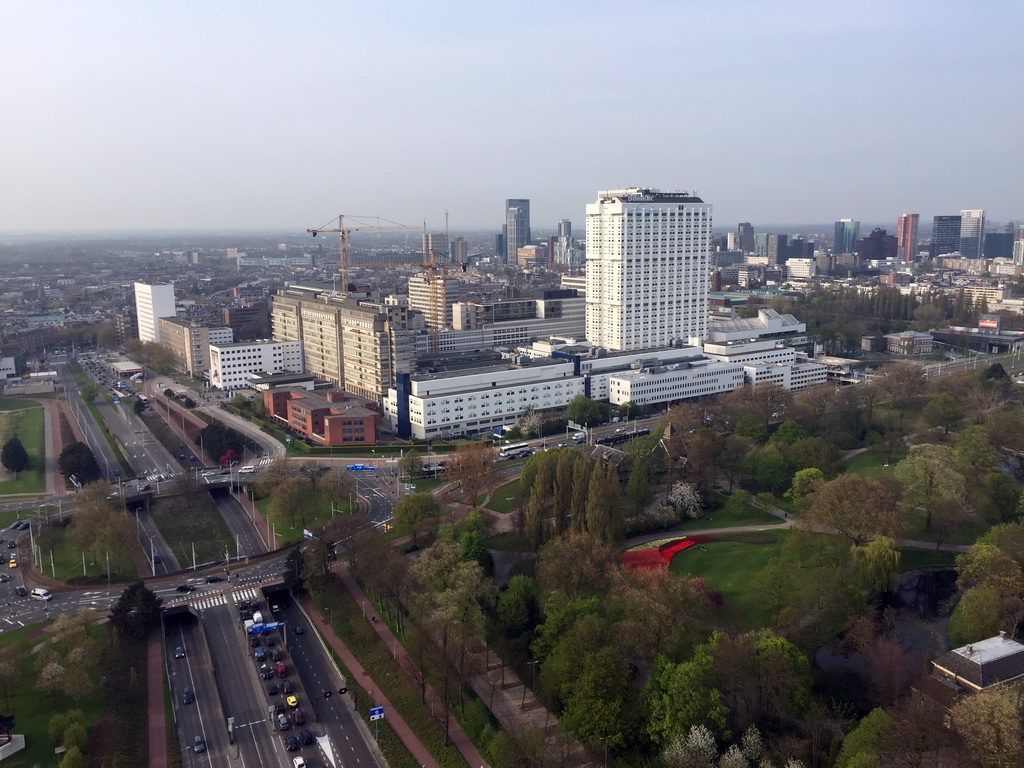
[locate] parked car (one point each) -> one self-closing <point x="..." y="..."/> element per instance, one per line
<point x="41" y="594"/>
<point x="292" y="701"/>
<point x="283" y="723"/>
<point x="298" y="717"/>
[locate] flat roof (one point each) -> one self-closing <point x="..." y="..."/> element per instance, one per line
<point x="126" y="366"/>
<point x="509" y="366"/>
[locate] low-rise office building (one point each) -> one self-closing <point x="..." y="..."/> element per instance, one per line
<point x="231" y="365"/>
<point x="329" y="418"/>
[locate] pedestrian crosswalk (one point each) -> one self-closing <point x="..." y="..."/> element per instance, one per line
<point x="236" y="596"/>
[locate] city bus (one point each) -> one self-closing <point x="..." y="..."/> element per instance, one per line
<point x="514" y="451"/>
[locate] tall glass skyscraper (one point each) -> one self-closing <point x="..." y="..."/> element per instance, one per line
<point x="972" y="233"/>
<point x="517" y="227"/>
<point x="945" y="235"/>
<point x="846" y="235"/>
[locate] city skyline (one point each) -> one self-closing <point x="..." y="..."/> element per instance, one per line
<point x="244" y="116"/>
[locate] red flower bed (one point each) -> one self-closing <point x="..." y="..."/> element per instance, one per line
<point x="660" y="556"/>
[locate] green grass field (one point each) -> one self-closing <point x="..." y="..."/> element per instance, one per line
<point x="502" y="498"/>
<point x="201" y="526"/>
<point x="62" y="560"/>
<point x="966" y="533"/>
<point x="719" y="518"/>
<point x="282" y="524"/>
<point x="731" y="567"/>
<point x="33" y="709"/>
<point x="870" y="463"/>
<point x="28" y="425"/>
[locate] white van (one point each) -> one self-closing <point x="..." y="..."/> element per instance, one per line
<point x="41" y="594"/>
<point x="247" y="470"/>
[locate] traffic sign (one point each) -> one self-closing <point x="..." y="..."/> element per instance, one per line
<point x="376" y="713"/>
<point x="355" y="467"/>
<point x="307" y="534"/>
<point x="287" y="438"/>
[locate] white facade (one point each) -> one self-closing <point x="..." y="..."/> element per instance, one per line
<point x="648" y="263"/>
<point x="675" y="382"/>
<point x="794" y="377"/>
<point x="972" y="233"/>
<point x="151" y="302"/>
<point x="231" y="365"/>
<point x="801" y="269"/>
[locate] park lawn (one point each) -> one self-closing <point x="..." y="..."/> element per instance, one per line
<point x="201" y="526"/>
<point x="913" y="558"/>
<point x="507" y="541"/>
<point x="62" y="560"/>
<point x="13" y="404"/>
<point x="33" y="709"/>
<point x="967" y="532"/>
<point x="721" y="519"/>
<point x="288" y="530"/>
<point x="731" y="567"/>
<point x="28" y="424"/>
<point x="869" y="463"/>
<point x="503" y="497"/>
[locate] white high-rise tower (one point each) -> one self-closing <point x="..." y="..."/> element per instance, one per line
<point x="648" y="263"/>
<point x="151" y="302"/>
<point x="972" y="233"/>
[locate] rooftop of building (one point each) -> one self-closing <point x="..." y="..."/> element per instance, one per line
<point x="986" y="662"/>
<point x="280" y="379"/>
<point x="253" y="343"/>
<point x="503" y="366"/>
<point x="349" y="406"/>
<point x="646" y="195"/>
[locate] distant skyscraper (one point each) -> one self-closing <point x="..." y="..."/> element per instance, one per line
<point x="972" y="230"/>
<point x="998" y="245"/>
<point x="745" y="237"/>
<point x="151" y="302"/>
<point x="906" y="236"/>
<point x="777" y="248"/>
<point x="460" y="250"/>
<point x="517" y="227"/>
<point x="438" y="243"/>
<point x="945" y="235"/>
<point x="564" y="246"/>
<point x="648" y="264"/>
<point x="878" y="246"/>
<point x="846" y="235"/>
<point x="760" y="245"/>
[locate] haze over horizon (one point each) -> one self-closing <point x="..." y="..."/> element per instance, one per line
<point x="235" y="116"/>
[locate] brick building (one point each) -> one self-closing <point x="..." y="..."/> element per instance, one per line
<point x="328" y="418"/>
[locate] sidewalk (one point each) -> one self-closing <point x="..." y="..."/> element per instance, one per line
<point x="155" y="685"/>
<point x="398" y="725"/>
<point x="456" y="734"/>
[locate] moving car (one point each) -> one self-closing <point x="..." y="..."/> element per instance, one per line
<point x="22" y="592"/>
<point x="259" y="654"/>
<point x="300" y="762"/>
<point x="298" y="717"/>
<point x="307" y="737"/>
<point x="4" y="578"/>
<point x="283" y="723"/>
<point x="287" y="687"/>
<point x="298" y="630"/>
<point x="272" y="689"/>
<point x="179" y="652"/>
<point x="198" y="744"/>
<point x="291" y="743"/>
<point x="14" y="562"/>
<point x="185" y="588"/>
<point x="213" y="579"/>
<point x="41" y="594"/>
<point x="293" y="701"/>
<point x="187" y="697"/>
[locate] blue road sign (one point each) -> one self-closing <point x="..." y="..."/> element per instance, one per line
<point x="116" y="400"/>
<point x="355" y="467"/>
<point x="307" y="534"/>
<point x="376" y="713"/>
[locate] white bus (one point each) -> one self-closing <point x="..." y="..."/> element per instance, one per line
<point x="515" y="451"/>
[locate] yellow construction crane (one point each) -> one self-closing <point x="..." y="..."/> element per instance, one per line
<point x="344" y="231"/>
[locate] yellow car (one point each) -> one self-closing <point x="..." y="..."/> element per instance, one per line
<point x="293" y="701"/>
<point x="14" y="562"/>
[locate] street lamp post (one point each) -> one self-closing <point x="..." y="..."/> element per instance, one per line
<point x="522" y="704"/>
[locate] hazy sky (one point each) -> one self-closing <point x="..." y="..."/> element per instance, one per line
<point x="237" y="115"/>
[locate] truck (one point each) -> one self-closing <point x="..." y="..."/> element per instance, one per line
<point x="257" y="618"/>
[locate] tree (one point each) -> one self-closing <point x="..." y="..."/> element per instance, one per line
<point x="929" y="475"/>
<point x="944" y="411"/>
<point x="89" y="391"/>
<point x="788" y="433"/>
<point x="138" y="406"/>
<point x="218" y="439"/>
<point x="411" y="464"/>
<point x="582" y="410"/>
<point x="880" y="562"/>
<point x="473" y="468"/>
<point x="974" y="448"/>
<point x="14" y="457"/>
<point x="78" y="460"/>
<point x="866" y="739"/>
<point x="989" y="722"/>
<point x="313" y="472"/>
<point x="576" y="564"/>
<point x="517" y="606"/>
<point x="136" y="611"/>
<point x="685" y="500"/>
<point x="415" y="512"/>
<point x="805" y="481"/>
<point x="903" y="384"/>
<point x="855" y="508"/>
